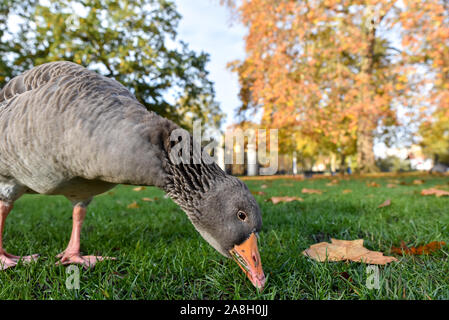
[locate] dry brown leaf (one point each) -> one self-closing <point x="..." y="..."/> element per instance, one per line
<point x="139" y="188"/>
<point x="339" y="250"/>
<point x="264" y="186"/>
<point x="391" y="185"/>
<point x="417" y="181"/>
<point x="394" y="181"/>
<point x="332" y="183"/>
<point x="276" y="200"/>
<point x="425" y="249"/>
<point x="133" y="205"/>
<point x="434" y="191"/>
<point x="346" y="191"/>
<point x="147" y="199"/>
<point x="344" y="275"/>
<point x="311" y="191"/>
<point x="372" y="184"/>
<point x="259" y="193"/>
<point x="385" y="204"/>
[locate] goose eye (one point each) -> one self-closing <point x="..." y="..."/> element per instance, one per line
<point x="241" y="215"/>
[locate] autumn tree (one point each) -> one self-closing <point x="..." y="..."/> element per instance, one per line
<point x="321" y="67"/>
<point x="425" y="40"/>
<point x="133" y="42"/>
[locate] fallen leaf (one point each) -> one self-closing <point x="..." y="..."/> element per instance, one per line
<point x="148" y="199"/>
<point x="139" y="188"/>
<point x="391" y="185"/>
<point x="345" y="276"/>
<point x="311" y="191"/>
<point x="434" y="191"/>
<point x="332" y="183"/>
<point x="133" y="205"/>
<point x="340" y="250"/>
<point x="346" y="191"/>
<point x="425" y="249"/>
<point x="259" y="193"/>
<point x="394" y="181"/>
<point x="417" y="181"/>
<point x="385" y="204"/>
<point x="276" y="200"/>
<point x="264" y="186"/>
<point x="372" y="184"/>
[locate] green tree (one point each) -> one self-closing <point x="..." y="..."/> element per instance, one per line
<point x="12" y="45"/>
<point x="133" y="42"/>
<point x="435" y="137"/>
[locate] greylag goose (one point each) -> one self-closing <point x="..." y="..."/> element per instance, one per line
<point x="66" y="130"/>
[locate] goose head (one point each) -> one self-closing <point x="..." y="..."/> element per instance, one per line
<point x="230" y="222"/>
<point x="225" y="213"/>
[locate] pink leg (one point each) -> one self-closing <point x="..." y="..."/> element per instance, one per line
<point x="71" y="254"/>
<point x="8" y="260"/>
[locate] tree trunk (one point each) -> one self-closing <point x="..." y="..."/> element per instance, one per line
<point x="343" y="164"/>
<point x="365" y="152"/>
<point x="367" y="122"/>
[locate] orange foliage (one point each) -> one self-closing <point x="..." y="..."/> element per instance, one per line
<point x="325" y="70"/>
<point x="425" y="249"/>
<point x="307" y="66"/>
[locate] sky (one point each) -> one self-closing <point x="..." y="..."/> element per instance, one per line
<point x="206" y="26"/>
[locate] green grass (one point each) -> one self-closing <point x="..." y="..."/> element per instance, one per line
<point x="161" y="256"/>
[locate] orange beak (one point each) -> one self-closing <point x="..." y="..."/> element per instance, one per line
<point x="247" y="257"/>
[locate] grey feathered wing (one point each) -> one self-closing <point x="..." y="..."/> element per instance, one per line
<point x="61" y="124"/>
